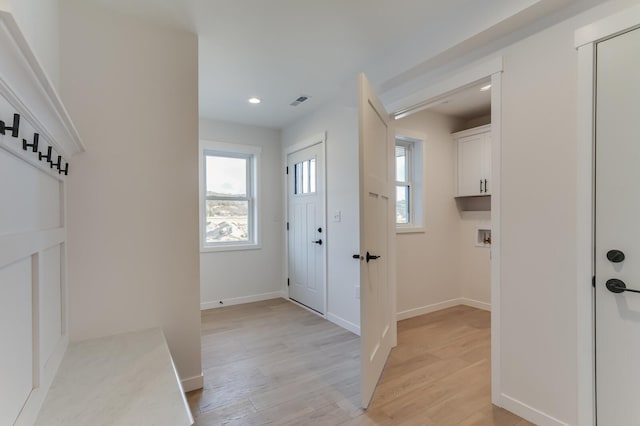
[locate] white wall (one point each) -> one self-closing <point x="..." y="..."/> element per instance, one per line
<point x="538" y="298"/>
<point x="32" y="257"/>
<point x="538" y="265"/>
<point x="441" y="266"/>
<point x="249" y="275"/>
<point x="343" y="238"/>
<point x="132" y="88"/>
<point x="39" y="21"/>
<point x="428" y="263"/>
<point x="475" y="262"/>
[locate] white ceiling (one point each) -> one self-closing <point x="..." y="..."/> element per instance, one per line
<point x="470" y="102"/>
<point x="280" y="49"/>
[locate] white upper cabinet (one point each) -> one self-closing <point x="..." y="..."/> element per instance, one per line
<point x="474" y="161"/>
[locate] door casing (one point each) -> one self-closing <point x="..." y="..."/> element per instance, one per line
<point x="432" y="95"/>
<point x="586" y="39"/>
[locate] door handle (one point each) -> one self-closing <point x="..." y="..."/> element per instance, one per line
<point x="615" y="285"/>
<point x="318" y="242"/>
<point x="485" y="186"/>
<point x="481" y="186"/>
<point x="371" y="257"/>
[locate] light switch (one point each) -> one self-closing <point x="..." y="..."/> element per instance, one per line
<point x="337" y="216"/>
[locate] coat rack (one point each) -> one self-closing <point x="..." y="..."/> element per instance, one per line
<point x="34" y="146"/>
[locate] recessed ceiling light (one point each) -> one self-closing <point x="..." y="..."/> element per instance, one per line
<point x="254" y="100"/>
<point x="485" y="88"/>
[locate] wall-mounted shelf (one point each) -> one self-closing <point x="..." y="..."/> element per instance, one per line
<point x="27" y="92"/>
<point x="476" y="203"/>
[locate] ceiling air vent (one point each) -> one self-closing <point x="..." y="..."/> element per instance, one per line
<point x="300" y="100"/>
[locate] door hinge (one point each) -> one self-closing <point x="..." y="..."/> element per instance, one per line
<point x="288" y="282"/>
<point x="287" y="170"/>
<point x="287" y="226"/>
<point x="593" y="281"/>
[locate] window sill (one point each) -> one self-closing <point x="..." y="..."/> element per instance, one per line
<point x="234" y="247"/>
<point x="410" y="230"/>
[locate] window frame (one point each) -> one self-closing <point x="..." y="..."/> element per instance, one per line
<point x="252" y="154"/>
<point x="414" y="143"/>
<point x="409" y="173"/>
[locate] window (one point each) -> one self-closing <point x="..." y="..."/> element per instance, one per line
<point x="305" y="177"/>
<point x="229" y="197"/>
<point x="408" y="175"/>
<point x="404" y="190"/>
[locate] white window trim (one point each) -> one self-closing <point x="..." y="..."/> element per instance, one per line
<point x="416" y="197"/>
<point x="230" y="148"/>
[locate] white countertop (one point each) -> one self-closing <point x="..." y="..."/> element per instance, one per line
<point x="126" y="379"/>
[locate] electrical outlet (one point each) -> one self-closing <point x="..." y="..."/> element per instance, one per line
<point x="357" y="292"/>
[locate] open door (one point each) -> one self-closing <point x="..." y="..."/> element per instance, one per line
<point x="377" y="243"/>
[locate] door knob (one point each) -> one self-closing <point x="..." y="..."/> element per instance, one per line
<point x="615" y="256"/>
<point x="615" y="285"/>
<point x="318" y="242"/>
<point x="371" y="257"/>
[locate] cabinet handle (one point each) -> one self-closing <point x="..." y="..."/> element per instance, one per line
<point x="485" y="186"/>
<point x="481" y="186"/>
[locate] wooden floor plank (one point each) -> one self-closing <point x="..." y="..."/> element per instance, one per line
<point x="272" y="362"/>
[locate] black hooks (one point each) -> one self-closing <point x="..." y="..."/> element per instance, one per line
<point x="34" y="145"/>
<point x="14" y="129"/>
<point x="57" y="164"/>
<point x="47" y="157"/>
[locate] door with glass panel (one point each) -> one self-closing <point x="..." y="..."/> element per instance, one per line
<point x="306" y="228"/>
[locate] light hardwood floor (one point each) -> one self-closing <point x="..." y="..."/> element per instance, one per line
<point x="275" y="363"/>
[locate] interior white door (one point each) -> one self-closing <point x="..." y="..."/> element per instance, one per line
<point x="306" y="228"/>
<point x="377" y="231"/>
<point x="617" y="233"/>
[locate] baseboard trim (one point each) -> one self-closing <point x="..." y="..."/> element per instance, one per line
<point x="476" y="304"/>
<point x="529" y="413"/>
<point x="193" y="383"/>
<point x="240" y="300"/>
<point x="410" y="313"/>
<point x="348" y="325"/>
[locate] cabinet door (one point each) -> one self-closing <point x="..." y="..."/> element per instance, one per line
<point x="471" y="170"/>
<point x="486" y="162"/>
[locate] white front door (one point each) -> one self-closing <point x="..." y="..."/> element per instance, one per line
<point x="617" y="230"/>
<point x="306" y="228"/>
<point x="377" y="232"/>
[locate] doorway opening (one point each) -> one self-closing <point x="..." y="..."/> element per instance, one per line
<point x="456" y="251"/>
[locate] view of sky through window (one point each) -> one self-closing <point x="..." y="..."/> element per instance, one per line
<point x="227" y="176"/>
